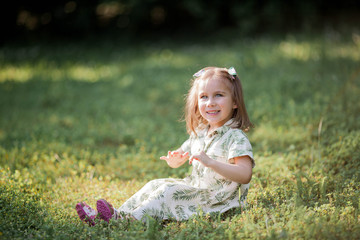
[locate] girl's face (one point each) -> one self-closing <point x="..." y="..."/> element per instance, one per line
<point x="215" y="102"/>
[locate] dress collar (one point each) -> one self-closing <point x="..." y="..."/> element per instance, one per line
<point x="220" y="130"/>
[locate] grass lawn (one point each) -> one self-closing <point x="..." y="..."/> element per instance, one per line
<point x="84" y="121"/>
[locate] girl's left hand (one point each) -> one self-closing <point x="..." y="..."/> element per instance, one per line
<point x="203" y="158"/>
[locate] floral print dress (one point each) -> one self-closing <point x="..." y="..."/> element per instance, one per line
<point x="204" y="190"/>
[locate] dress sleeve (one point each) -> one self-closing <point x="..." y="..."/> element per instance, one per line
<point x="240" y="146"/>
<point x="186" y="146"/>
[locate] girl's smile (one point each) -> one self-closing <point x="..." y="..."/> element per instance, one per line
<point x="213" y="112"/>
<point x="215" y="102"/>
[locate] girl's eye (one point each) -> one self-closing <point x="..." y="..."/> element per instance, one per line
<point x="203" y="97"/>
<point x="218" y="95"/>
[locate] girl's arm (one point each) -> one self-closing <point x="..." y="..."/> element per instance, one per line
<point x="176" y="158"/>
<point x="240" y="172"/>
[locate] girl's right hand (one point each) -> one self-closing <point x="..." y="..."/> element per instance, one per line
<point x="175" y="158"/>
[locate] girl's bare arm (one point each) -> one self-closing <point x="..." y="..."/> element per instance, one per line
<point x="240" y="172"/>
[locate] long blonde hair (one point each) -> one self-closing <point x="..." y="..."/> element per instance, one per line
<point x="193" y="117"/>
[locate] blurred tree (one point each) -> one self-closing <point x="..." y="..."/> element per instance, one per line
<point x="81" y="17"/>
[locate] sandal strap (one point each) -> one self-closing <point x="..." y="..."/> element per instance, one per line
<point x="89" y="211"/>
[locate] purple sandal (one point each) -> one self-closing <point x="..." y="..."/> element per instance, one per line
<point x="105" y="210"/>
<point x="86" y="213"/>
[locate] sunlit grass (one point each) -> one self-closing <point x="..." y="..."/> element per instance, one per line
<point x="50" y="72"/>
<point x="18" y="74"/>
<point x="313" y="50"/>
<point x="302" y="51"/>
<point x="91" y="72"/>
<point x="345" y="51"/>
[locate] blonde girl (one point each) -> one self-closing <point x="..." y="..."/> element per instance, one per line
<point x="218" y="150"/>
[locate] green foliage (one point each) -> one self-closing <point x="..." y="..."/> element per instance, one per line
<point x="21" y="212"/>
<point x="83" y="122"/>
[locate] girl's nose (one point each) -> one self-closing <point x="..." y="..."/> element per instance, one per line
<point x="211" y="102"/>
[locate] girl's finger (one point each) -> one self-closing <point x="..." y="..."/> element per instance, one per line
<point x="192" y="158"/>
<point x="196" y="157"/>
<point x="163" y="158"/>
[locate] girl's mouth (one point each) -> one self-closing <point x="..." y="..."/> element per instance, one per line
<point x="213" y="112"/>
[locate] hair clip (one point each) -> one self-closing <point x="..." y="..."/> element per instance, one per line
<point x="232" y="72"/>
<point x="199" y="73"/>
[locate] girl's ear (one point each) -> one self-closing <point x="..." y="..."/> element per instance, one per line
<point x="235" y="106"/>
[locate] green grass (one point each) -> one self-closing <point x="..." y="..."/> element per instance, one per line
<point x="83" y="121"/>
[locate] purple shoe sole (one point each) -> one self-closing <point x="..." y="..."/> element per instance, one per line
<point x="105" y="210"/>
<point x="83" y="215"/>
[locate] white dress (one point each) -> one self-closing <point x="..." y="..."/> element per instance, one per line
<point x="204" y="190"/>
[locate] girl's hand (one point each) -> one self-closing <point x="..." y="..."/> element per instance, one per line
<point x="175" y="158"/>
<point x="203" y="158"/>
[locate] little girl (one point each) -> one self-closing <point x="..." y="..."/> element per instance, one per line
<point x="218" y="150"/>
